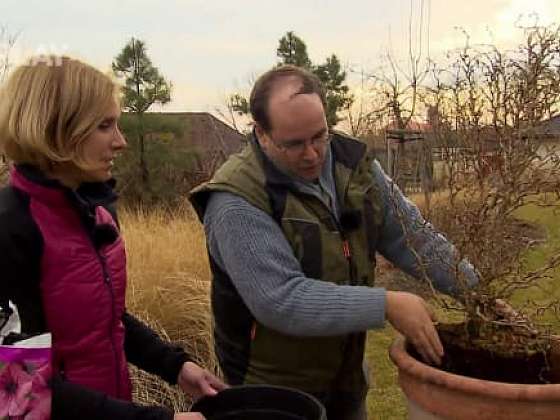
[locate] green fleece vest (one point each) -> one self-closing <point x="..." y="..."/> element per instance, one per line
<point x="339" y="252"/>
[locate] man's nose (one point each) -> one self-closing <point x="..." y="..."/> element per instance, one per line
<point x="310" y="153"/>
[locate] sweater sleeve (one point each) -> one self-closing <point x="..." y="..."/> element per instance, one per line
<point x="146" y="350"/>
<point x="20" y="256"/>
<point x="404" y="227"/>
<point x="71" y="401"/>
<point x="247" y="244"/>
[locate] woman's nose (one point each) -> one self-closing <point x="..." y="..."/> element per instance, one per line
<point x="120" y="141"/>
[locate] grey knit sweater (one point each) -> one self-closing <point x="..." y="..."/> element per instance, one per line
<point x="249" y="245"/>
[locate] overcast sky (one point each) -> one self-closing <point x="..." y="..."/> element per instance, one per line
<point x="211" y="48"/>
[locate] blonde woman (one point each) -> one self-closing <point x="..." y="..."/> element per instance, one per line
<point x="62" y="258"/>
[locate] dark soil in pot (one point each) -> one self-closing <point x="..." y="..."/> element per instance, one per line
<point x="499" y="354"/>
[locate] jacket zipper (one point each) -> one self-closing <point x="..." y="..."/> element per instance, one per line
<point x="108" y="283"/>
<point x="347" y="252"/>
<point x="346" y="249"/>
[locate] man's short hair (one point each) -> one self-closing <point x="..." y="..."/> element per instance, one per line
<point x="48" y="106"/>
<point x="266" y="83"/>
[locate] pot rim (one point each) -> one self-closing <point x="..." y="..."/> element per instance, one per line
<point x="422" y="372"/>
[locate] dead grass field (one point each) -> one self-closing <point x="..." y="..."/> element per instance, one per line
<point x="169" y="281"/>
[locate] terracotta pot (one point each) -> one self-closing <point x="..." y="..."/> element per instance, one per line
<point x="435" y="394"/>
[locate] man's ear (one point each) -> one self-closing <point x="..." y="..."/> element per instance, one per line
<point x="259" y="132"/>
<point x="261" y="136"/>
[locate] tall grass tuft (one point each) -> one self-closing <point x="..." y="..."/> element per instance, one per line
<point x="168" y="288"/>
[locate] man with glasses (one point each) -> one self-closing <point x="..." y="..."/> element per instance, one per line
<point x="293" y="224"/>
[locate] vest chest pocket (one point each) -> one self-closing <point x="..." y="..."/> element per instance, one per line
<point x="367" y="200"/>
<point x="305" y="238"/>
<point x="372" y="222"/>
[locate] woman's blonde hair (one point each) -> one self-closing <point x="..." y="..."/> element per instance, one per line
<point x="48" y="107"/>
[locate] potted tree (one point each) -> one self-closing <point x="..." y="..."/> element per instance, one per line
<point x="491" y="134"/>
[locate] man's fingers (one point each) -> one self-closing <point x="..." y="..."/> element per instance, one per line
<point x="431" y="313"/>
<point x="430" y="356"/>
<point x="435" y="342"/>
<point x="412" y="317"/>
<point x="431" y="338"/>
<point x="425" y="352"/>
<point x="428" y="344"/>
<point x="435" y="346"/>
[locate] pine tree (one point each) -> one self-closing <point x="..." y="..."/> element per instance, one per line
<point x="292" y="50"/>
<point x="143" y="87"/>
<point x="337" y="93"/>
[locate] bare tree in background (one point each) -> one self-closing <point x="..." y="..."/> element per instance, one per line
<point x="497" y="158"/>
<point x="399" y="85"/>
<point x="367" y="115"/>
<point x="7" y="42"/>
<point x="235" y="110"/>
<point x="399" y="81"/>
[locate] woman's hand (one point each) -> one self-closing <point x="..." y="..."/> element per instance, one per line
<point x="189" y="416"/>
<point x="198" y="382"/>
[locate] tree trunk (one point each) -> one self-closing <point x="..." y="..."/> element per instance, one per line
<point x="143" y="165"/>
<point x="144" y="171"/>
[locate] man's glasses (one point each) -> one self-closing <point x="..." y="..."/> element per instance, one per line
<point x="298" y="147"/>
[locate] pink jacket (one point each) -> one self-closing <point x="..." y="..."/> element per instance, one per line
<point x="83" y="290"/>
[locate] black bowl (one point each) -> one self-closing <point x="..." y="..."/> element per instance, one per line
<point x="260" y="402"/>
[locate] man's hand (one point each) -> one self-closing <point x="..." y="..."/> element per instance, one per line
<point x="189" y="416"/>
<point x="198" y="382"/>
<point x="409" y="314"/>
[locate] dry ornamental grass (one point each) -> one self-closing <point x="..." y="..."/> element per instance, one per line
<point x="168" y="288"/>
